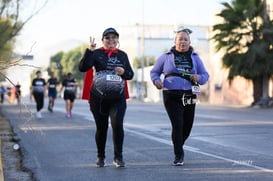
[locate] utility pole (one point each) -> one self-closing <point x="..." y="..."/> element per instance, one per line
<point x="142" y="87"/>
<point x="265" y="95"/>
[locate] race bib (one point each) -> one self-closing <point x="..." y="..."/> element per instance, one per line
<point x="113" y="78"/>
<point x="195" y="89"/>
<point x="70" y="88"/>
<point x="108" y="85"/>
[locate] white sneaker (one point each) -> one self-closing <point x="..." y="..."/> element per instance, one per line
<point x="38" y="114"/>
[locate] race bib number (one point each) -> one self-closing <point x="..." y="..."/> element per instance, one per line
<point x="70" y="89"/>
<point x="113" y="78"/>
<point x="195" y="89"/>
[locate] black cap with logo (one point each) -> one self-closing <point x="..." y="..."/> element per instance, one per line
<point x="109" y="30"/>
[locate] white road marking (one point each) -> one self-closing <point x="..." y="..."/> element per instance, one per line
<point x="168" y="142"/>
<point x="197" y="150"/>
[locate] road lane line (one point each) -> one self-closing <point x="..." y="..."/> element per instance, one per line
<point x="189" y="148"/>
<point x="197" y="150"/>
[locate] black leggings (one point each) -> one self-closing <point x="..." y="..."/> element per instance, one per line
<point x="102" y="110"/>
<point x="181" y="117"/>
<point x="39" y="99"/>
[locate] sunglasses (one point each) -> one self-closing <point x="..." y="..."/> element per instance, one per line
<point x="111" y="37"/>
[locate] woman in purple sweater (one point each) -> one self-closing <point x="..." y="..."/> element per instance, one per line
<point x="183" y="72"/>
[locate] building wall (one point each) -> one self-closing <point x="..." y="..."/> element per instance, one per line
<point x="153" y="40"/>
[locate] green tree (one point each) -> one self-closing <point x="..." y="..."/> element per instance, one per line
<point x="70" y="62"/>
<point x="64" y="62"/>
<point x="10" y="26"/>
<point x="55" y="64"/>
<point x="245" y="35"/>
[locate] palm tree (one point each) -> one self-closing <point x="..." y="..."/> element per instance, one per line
<point x="246" y="37"/>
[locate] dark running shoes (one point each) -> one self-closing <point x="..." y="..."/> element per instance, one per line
<point x="100" y="162"/>
<point x="50" y="108"/>
<point x="178" y="161"/>
<point x="119" y="162"/>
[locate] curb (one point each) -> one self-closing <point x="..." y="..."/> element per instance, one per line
<point x="1" y="166"/>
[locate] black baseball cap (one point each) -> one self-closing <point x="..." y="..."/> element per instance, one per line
<point x="69" y="74"/>
<point x="109" y="30"/>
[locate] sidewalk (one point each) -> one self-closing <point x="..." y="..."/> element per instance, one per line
<point x="1" y="166"/>
<point x="10" y="159"/>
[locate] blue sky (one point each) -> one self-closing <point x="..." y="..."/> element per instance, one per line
<point x="61" y="20"/>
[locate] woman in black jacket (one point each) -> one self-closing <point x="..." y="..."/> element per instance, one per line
<point x="108" y="91"/>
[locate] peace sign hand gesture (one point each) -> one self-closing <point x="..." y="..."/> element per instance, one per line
<point x="92" y="44"/>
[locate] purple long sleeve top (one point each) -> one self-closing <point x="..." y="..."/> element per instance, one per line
<point x="165" y="65"/>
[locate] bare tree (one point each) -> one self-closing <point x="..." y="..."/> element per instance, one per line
<point x="11" y="24"/>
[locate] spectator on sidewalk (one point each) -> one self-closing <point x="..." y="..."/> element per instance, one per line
<point x="11" y="94"/>
<point x="2" y="92"/>
<point x="18" y="93"/>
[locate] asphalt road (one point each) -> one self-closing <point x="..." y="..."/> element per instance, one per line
<point x="227" y="143"/>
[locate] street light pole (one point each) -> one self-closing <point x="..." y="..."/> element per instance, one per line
<point x="265" y="77"/>
<point x="142" y="55"/>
